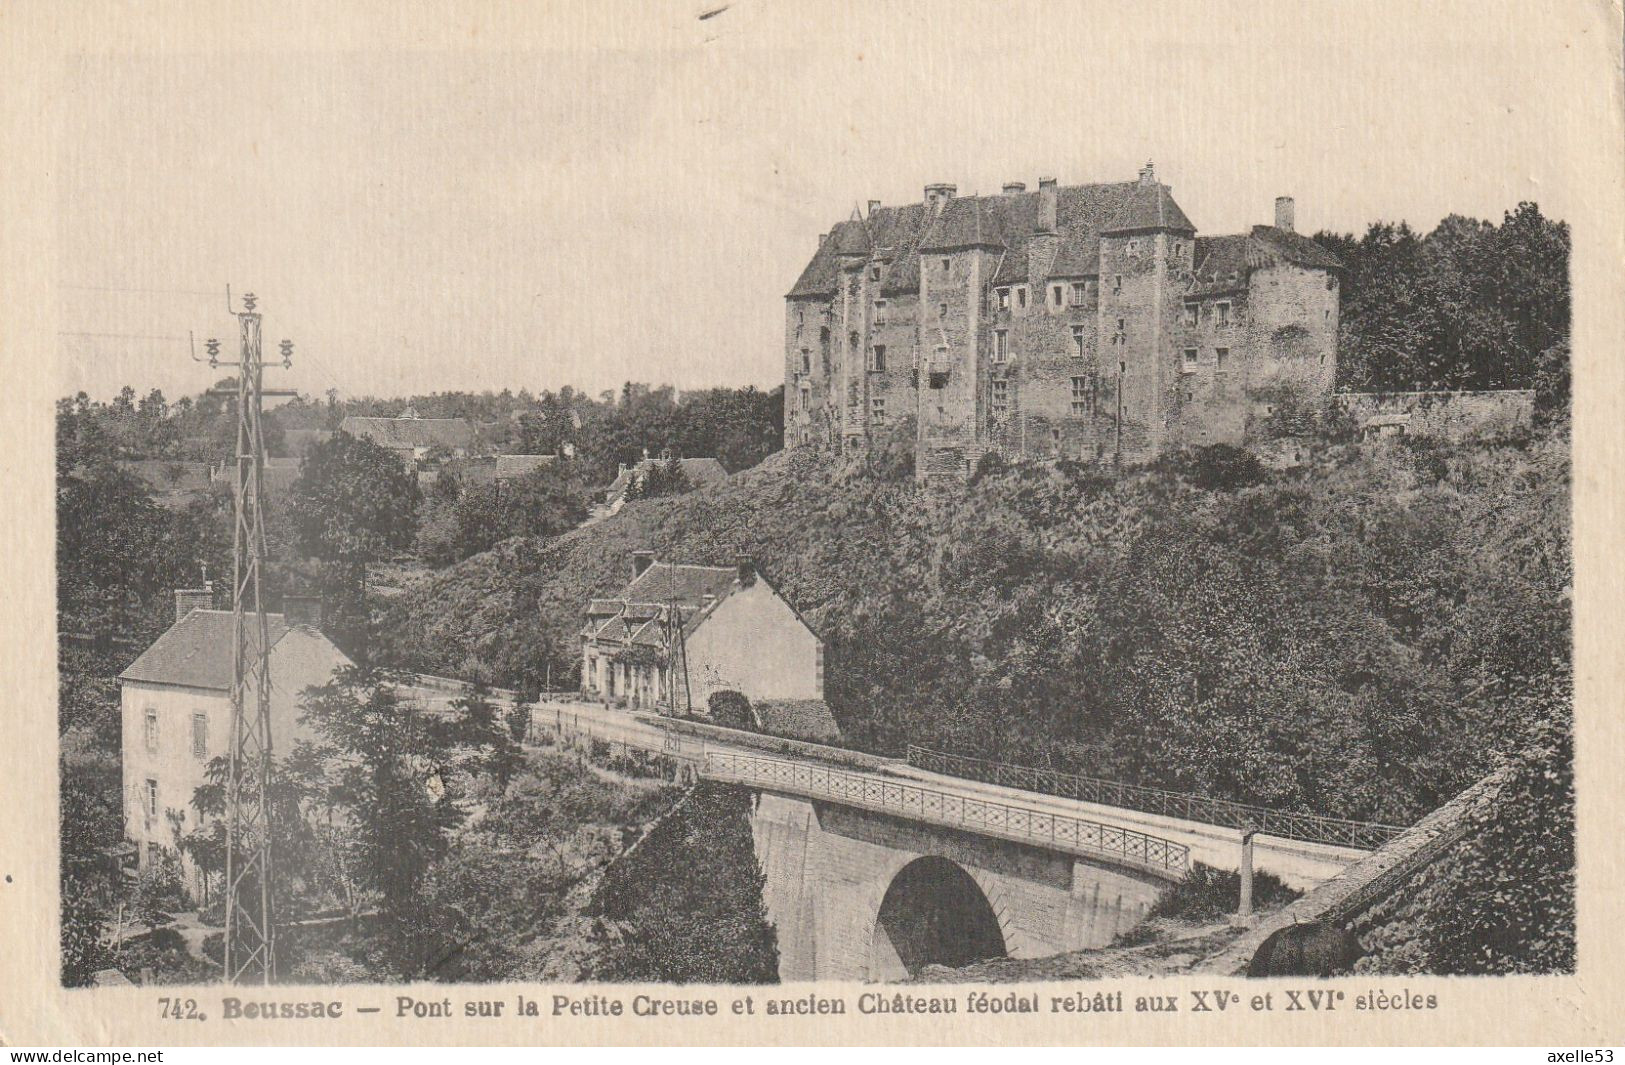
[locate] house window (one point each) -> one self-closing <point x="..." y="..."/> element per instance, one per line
<point x="1077" y="342"/>
<point x="1222" y="358"/>
<point x="1080" y="395"/>
<point x="877" y="360"/>
<point x="1056" y="293"/>
<point x="877" y="410"/>
<point x="1191" y="310"/>
<point x="1001" y="397"/>
<point x="1021" y="297"/>
<point x="150" y="805"/>
<point x="1223" y="311"/>
<point x="1190" y="360"/>
<point x="1001" y="345"/>
<point x="1004" y="299"/>
<point x="152" y="731"/>
<point x="1080" y="291"/>
<point x="945" y="265"/>
<point x="200" y="736"/>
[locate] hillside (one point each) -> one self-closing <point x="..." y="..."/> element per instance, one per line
<point x="1356" y="637"/>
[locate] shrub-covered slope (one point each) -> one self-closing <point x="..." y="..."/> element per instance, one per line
<point x="1357" y="637"/>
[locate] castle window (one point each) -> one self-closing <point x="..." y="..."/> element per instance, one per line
<point x="1191" y="310"/>
<point x="1080" y="395"/>
<point x="1001" y="345"/>
<point x="1133" y="246"/>
<point x="806" y="361"/>
<point x="200" y="736"/>
<point x="877" y="357"/>
<point x="150" y="806"/>
<point x="1178" y="247"/>
<point x="1223" y="312"/>
<point x="942" y="310"/>
<point x="152" y="731"/>
<point x="1001" y="397"/>
<point x="1190" y="360"/>
<point x="874" y="272"/>
<point x="1021" y="296"/>
<point x="1055" y="295"/>
<point x="801" y="317"/>
<point x="945" y="264"/>
<point x="877" y="410"/>
<point x="1331" y="282"/>
<point x="1077" y="342"/>
<point x="1004" y="298"/>
<point x="1080" y="291"/>
<point x="1117" y="282"/>
<point x="1222" y="358"/>
<point x="1122" y="327"/>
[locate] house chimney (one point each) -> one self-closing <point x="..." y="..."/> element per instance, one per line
<point x="821" y="238"/>
<point x="1047" y="193"/>
<point x="874" y="205"/>
<point x="190" y="599"/>
<point x="1012" y="188"/>
<point x="1148" y="174"/>
<point x="641" y="560"/>
<point x="745" y="571"/>
<point x="937" y="195"/>
<point x="1285" y="213"/>
<point x="302" y="610"/>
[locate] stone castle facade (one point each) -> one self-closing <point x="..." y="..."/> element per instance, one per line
<point x="1086" y="321"/>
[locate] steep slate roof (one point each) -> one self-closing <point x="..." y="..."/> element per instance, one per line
<point x="686" y="586"/>
<point x="411" y="432"/>
<point x="899" y="235"/>
<point x="510" y="466"/>
<point x="796" y="719"/>
<point x="1222" y="263"/>
<point x="197" y="651"/>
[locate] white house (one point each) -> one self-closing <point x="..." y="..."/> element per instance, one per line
<point x="678" y="633"/>
<point x="176" y="707"/>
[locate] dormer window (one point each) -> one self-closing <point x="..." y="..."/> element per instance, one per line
<point x="1004" y="298"/>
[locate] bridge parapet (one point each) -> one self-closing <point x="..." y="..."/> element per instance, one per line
<point x="1040" y="828"/>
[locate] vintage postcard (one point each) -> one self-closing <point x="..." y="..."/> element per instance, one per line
<point x="779" y="522"/>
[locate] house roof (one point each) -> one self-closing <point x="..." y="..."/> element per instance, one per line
<point x="898" y="235"/>
<point x="197" y="651"/>
<point x="699" y="471"/>
<point x="1284" y="244"/>
<point x="796" y="719"/>
<point x="510" y="466"/>
<point x="411" y="432"/>
<point x="682" y="585"/>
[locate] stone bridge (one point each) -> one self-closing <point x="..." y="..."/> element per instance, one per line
<point x="875" y="869"/>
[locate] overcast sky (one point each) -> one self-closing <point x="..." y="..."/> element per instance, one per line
<point x="433" y="221"/>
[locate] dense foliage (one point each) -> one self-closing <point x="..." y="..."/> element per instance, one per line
<point x="686" y="905"/>
<point x="1469" y="305"/>
<point x="460" y="520"/>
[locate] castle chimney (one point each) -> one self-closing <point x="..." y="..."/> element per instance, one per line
<point x="1148" y="174"/>
<point x="821" y="238"/>
<point x="1011" y="188"/>
<point x="745" y="571"/>
<point x="302" y="610"/>
<point x="641" y="560"/>
<point x="938" y="195"/>
<point x="1047" y="193"/>
<point x="874" y="205"/>
<point x="1285" y="213"/>
<point x="190" y="599"/>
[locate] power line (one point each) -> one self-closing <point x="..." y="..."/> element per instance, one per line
<point x="117" y="336"/>
<point x="144" y="291"/>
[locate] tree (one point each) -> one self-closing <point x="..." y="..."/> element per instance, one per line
<point x="666" y="478"/>
<point x="546" y="501"/>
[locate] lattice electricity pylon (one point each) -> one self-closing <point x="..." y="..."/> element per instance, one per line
<point x="250" y="939"/>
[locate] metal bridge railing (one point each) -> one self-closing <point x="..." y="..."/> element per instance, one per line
<point x="1310" y="828"/>
<point x="1059" y="832"/>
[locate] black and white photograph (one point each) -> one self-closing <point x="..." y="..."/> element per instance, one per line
<point x="860" y="505"/>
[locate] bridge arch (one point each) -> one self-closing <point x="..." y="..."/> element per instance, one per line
<point x="933" y="912"/>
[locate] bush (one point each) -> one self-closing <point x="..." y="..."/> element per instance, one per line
<point x="1207" y="894"/>
<point x="730" y="709"/>
<point x="1219" y="468"/>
